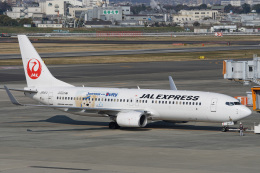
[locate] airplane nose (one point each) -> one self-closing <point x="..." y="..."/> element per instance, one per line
<point x="244" y="112"/>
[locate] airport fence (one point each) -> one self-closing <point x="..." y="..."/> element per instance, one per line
<point x="131" y="34"/>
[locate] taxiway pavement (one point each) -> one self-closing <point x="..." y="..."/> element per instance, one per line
<point x="47" y="140"/>
<point x="133" y="52"/>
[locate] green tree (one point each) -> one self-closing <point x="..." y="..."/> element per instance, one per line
<point x="25" y="21"/>
<point x="246" y="8"/>
<point x="180" y="7"/>
<point x="168" y="7"/>
<point x="203" y="6"/>
<point x="7" y="21"/>
<point x="196" y="24"/>
<point x="137" y="8"/>
<point x="228" y="8"/>
<point x="4" y="7"/>
<point x="256" y="8"/>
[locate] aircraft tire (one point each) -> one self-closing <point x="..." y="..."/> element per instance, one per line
<point x="224" y="129"/>
<point x="114" y="125"/>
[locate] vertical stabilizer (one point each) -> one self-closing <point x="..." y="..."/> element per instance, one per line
<point x="172" y="84"/>
<point x="36" y="72"/>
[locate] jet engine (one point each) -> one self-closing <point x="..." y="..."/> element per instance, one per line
<point x="131" y="119"/>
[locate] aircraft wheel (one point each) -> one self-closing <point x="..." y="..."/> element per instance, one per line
<point x="113" y="125"/>
<point x="224" y="129"/>
<point x="117" y="126"/>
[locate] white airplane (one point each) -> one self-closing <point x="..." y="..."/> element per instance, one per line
<point x="125" y="107"/>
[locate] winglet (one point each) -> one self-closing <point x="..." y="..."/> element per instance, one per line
<point x="12" y="98"/>
<point x="172" y="84"/>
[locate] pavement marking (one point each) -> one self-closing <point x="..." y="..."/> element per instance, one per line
<point x="126" y="66"/>
<point x="120" y="83"/>
<point x="49" y="167"/>
<point x="10" y="67"/>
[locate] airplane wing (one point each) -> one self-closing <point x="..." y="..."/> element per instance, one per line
<point x="99" y="110"/>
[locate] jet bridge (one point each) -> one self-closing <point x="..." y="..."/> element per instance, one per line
<point x="242" y="71"/>
<point x="256" y="98"/>
<point x="245" y="72"/>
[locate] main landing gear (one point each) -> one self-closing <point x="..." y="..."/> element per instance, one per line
<point x="114" y="125"/>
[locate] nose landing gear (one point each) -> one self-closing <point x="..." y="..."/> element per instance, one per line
<point x="225" y="125"/>
<point x="225" y="129"/>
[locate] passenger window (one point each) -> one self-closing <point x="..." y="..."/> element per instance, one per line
<point x="169" y="102"/>
<point x="165" y="102"/>
<point x="152" y="101"/>
<point x="159" y="102"/>
<point x="145" y="101"/>
<point x="120" y="100"/>
<point x="124" y="100"/>
<point x="156" y="101"/>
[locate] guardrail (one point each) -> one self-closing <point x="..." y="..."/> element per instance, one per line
<point x="131" y="34"/>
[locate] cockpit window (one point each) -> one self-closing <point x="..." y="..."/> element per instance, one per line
<point x="233" y="103"/>
<point x="237" y="103"/>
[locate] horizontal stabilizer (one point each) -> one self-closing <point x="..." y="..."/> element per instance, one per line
<point x="21" y="90"/>
<point x="12" y="98"/>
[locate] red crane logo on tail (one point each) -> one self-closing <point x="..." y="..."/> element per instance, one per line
<point x="34" y="68"/>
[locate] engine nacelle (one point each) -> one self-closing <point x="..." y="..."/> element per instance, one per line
<point x="131" y="119"/>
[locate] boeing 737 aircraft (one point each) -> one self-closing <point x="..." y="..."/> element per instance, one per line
<point x="125" y="107"/>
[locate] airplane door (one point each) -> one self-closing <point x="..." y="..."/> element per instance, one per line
<point x="213" y="105"/>
<point x="50" y="96"/>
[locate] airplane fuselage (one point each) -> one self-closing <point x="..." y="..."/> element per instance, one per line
<point x="171" y="105"/>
